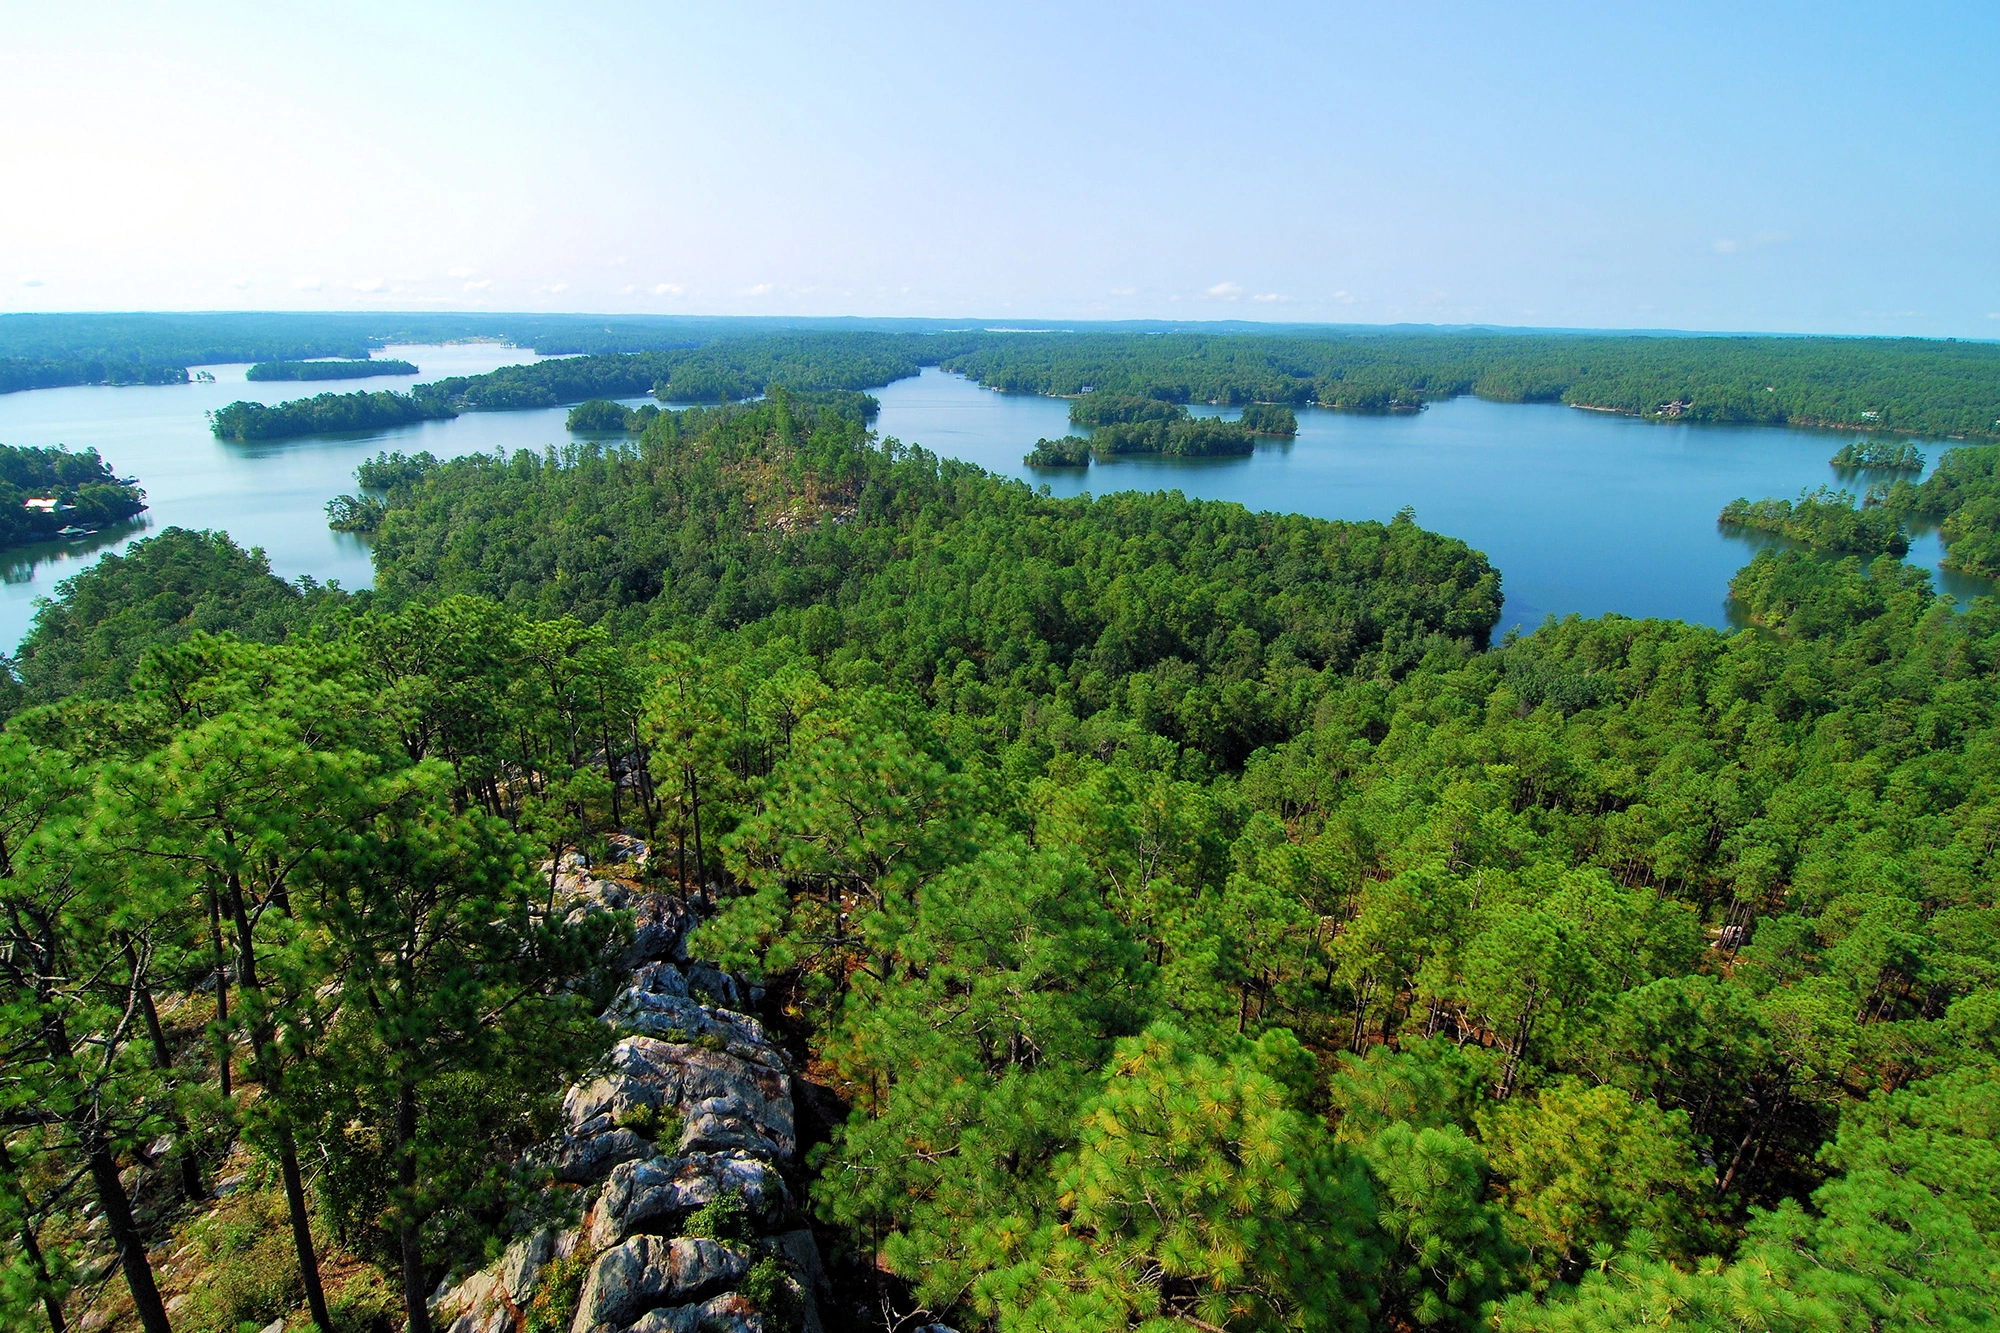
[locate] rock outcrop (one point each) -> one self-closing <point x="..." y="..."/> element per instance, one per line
<point x="685" y="1126"/>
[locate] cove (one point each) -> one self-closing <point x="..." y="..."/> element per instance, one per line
<point x="1585" y="512"/>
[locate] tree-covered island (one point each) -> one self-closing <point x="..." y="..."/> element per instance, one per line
<point x="328" y="370"/>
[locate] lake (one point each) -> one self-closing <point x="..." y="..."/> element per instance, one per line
<point x="1580" y="511"/>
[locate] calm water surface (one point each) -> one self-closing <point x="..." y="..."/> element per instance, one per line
<point x="1581" y="511"/>
<point x="271" y="494"/>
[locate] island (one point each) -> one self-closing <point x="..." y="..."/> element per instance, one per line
<point x="328" y="370"/>
<point x="1270" y="419"/>
<point x="601" y="416"/>
<point x="48" y="494"/>
<point x="1069" y="451"/>
<point x="1825" y="520"/>
<point x="1879" y="456"/>
<point x="329" y="413"/>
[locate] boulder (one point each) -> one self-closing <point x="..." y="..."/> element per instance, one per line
<point x="590" y="1157"/>
<point x="724" y="1314"/>
<point x="724" y="1102"/>
<point x="493" y="1300"/>
<point x="678" y="1018"/>
<point x="657" y="1194"/>
<point x="648" y="1272"/>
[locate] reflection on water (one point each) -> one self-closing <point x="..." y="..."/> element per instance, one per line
<point x="24" y="564"/>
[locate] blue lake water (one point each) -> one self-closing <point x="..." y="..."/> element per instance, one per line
<point x="1580" y="511"/>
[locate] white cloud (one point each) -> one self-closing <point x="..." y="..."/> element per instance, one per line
<point x="764" y="289"/>
<point x="31" y="282"/>
<point x="1124" y="291"/>
<point x="463" y="272"/>
<point x="1994" y="315"/>
<point x="1725" y="246"/>
<point x="667" y="289"/>
<point x="369" y="285"/>
<point x="1343" y="297"/>
<point x="1270" y="296"/>
<point x="554" y="287"/>
<point x="239" y="283"/>
<point x="1225" y="291"/>
<point x="306" y="284"/>
<point x="481" y="285"/>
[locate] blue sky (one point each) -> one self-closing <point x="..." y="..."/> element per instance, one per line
<point x="1823" y="168"/>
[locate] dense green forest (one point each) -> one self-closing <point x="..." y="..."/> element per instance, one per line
<point x="87" y="493"/>
<point x="1180" y="917"/>
<point x="325" y="414"/>
<point x="384" y="476"/>
<point x="328" y="370"/>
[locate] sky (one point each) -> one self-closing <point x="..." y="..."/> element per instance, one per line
<point x="1822" y="168"/>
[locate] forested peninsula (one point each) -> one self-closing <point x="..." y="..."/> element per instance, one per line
<point x="365" y="368"/>
<point x="44" y="492"/>
<point x="760" y="876"/>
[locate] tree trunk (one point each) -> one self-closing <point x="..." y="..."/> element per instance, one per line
<point x="111" y="1196"/>
<point x="163" y="1060"/>
<point x="409" y="1232"/>
<point x="117" y="1208"/>
<point x="264" y="1052"/>
<point x="51" y="1304"/>
<point x="221" y="991"/>
<point x="700" y="861"/>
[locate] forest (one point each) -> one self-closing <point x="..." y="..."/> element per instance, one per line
<point x="87" y="493"/>
<point x="1171" y="917"/>
<point x="328" y="370"/>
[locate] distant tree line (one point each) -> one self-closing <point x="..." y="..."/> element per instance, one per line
<point x="17" y="373"/>
<point x="1909" y="385"/>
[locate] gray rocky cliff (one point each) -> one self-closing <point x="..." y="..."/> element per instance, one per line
<point x="686" y="1125"/>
